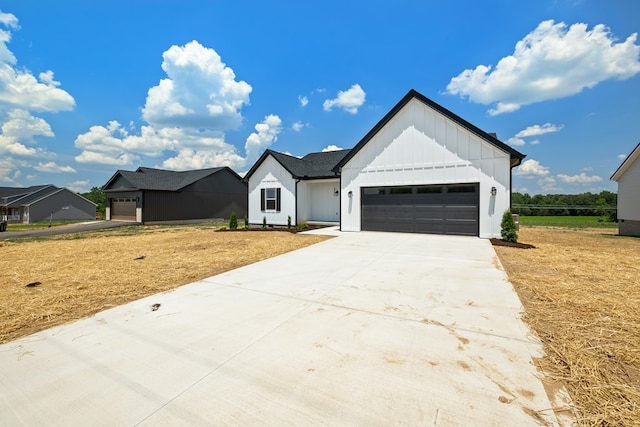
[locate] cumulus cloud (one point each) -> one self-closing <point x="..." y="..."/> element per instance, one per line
<point x="349" y="100"/>
<point x="532" y="168"/>
<point x="622" y="156"/>
<point x="579" y="179"/>
<point x="52" y="167"/>
<point x="187" y="115"/>
<point x="265" y="135"/>
<point x="297" y="126"/>
<point x="199" y="91"/>
<point x="547" y="184"/>
<point x="551" y="62"/>
<point x="536" y="130"/>
<point x="303" y="101"/>
<point x="80" y="186"/>
<point x="22" y="94"/>
<point x="331" y="148"/>
<point x="189" y="158"/>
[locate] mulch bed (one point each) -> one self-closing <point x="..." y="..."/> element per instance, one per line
<point x="500" y="242"/>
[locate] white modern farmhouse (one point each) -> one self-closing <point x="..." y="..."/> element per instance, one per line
<point x="421" y="169"/>
<point x="628" y="178"/>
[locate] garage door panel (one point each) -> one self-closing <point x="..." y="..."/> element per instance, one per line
<point x="123" y="209"/>
<point x="436" y="209"/>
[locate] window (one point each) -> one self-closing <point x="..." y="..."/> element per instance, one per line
<point x="400" y="190"/>
<point x="270" y="199"/>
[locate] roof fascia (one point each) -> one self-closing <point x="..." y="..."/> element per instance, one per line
<point x="632" y="157"/>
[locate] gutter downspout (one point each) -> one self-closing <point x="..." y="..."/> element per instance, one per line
<point x="295" y="212"/>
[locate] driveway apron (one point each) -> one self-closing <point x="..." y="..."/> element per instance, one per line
<point x="363" y="329"/>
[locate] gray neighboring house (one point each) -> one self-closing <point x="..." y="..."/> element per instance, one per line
<point x="44" y="203"/>
<point x="149" y="195"/>
<point x="628" y="178"/>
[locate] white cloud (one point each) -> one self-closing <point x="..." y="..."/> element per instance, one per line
<point x="349" y="100"/>
<point x="547" y="184"/>
<point x="52" y="167"/>
<point x="187" y="115"/>
<point x="536" y="130"/>
<point x="19" y="130"/>
<point x="200" y="91"/>
<point x="80" y="186"/>
<point x="297" y="126"/>
<point x="303" y="100"/>
<point x="9" y="20"/>
<point x="332" y="148"/>
<point x="622" y="156"/>
<point x="532" y="168"/>
<point x="267" y="134"/>
<point x="189" y="158"/>
<point x="21" y="94"/>
<point x="579" y="179"/>
<point x="551" y="62"/>
<point x="535" y="142"/>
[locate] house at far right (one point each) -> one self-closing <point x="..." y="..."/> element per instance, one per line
<point x="628" y="178"/>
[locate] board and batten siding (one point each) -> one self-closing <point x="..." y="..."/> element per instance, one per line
<point x="271" y="174"/>
<point x="422" y="146"/>
<point x="317" y="200"/>
<point x="629" y="200"/>
<point x="629" y="193"/>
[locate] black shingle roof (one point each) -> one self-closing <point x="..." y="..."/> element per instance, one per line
<point x="164" y="180"/>
<point x="311" y="166"/>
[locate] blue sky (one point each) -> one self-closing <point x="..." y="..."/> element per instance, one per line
<point x="87" y="88"/>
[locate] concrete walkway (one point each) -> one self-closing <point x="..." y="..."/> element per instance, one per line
<point x="364" y="329"/>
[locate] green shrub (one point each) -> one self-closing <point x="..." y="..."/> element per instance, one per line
<point x="508" y="228"/>
<point x="302" y="226"/>
<point x="246" y="222"/>
<point x="289" y="221"/>
<point x="233" y="222"/>
<point x="264" y="222"/>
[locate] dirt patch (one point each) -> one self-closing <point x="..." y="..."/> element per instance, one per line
<point x="519" y="245"/>
<point x="80" y="275"/>
<point x="581" y="293"/>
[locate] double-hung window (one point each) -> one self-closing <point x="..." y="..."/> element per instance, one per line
<point x="270" y="199"/>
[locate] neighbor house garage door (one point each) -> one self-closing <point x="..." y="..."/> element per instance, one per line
<point x="123" y="209"/>
<point x="435" y="209"/>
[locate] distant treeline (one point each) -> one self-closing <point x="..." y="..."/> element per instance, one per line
<point x="586" y="204"/>
<point x="97" y="196"/>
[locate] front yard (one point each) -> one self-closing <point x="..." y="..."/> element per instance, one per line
<point x="581" y="292"/>
<point x="580" y="289"/>
<point x="74" y="276"/>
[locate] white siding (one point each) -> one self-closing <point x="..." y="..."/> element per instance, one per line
<point x="317" y="200"/>
<point x="421" y="146"/>
<point x="271" y="174"/>
<point x="629" y="192"/>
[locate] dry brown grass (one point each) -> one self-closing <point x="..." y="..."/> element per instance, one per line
<point x="82" y="276"/>
<point x="581" y="293"/>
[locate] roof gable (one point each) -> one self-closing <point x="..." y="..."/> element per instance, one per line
<point x="631" y="158"/>
<point x="161" y="180"/>
<point x="516" y="156"/>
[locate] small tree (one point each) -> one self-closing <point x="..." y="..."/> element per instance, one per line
<point x="289" y="221"/>
<point x="233" y="222"/>
<point x="508" y="225"/>
<point x="264" y="222"/>
<point x="246" y="222"/>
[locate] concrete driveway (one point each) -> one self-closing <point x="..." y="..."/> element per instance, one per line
<point x="363" y="329"/>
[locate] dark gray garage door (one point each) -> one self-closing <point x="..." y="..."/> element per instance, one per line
<point x="123" y="209"/>
<point x="435" y="209"/>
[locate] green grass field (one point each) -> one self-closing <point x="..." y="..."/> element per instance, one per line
<point x="566" y="221"/>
